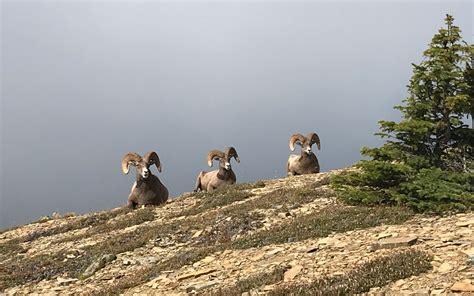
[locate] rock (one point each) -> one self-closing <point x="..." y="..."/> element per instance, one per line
<point x="99" y="264"/>
<point x="70" y="256"/>
<point x="274" y="251"/>
<point x="462" y="287"/>
<point x="445" y="267"/>
<point x="437" y="292"/>
<point x="200" y="286"/>
<point x="470" y="260"/>
<point x="208" y="259"/>
<point x="469" y="252"/>
<point x="328" y="241"/>
<point x="390" y="243"/>
<point x="383" y="235"/>
<point x="292" y="273"/>
<point x="464" y="223"/>
<point x="65" y="281"/>
<point x="197" y="233"/>
<point x="258" y="256"/>
<point x="196" y="273"/>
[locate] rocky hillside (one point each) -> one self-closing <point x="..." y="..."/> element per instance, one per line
<point x="273" y="237"/>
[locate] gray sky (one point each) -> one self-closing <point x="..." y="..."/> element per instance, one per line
<point x="85" y="82"/>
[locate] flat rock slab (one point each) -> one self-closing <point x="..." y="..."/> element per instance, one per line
<point x="196" y="273"/>
<point x="462" y="287"/>
<point x="292" y="273"/>
<point x="394" y="242"/>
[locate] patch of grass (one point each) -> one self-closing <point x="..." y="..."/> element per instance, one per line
<point x="136" y="217"/>
<point x="20" y="270"/>
<point x="224" y="227"/>
<point x="221" y="197"/>
<point x="320" y="224"/>
<point x="184" y="257"/>
<point x="374" y="273"/>
<point x="252" y="282"/>
<point x="13" y="246"/>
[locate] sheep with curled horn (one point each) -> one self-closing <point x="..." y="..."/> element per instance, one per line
<point x="307" y="162"/>
<point x="147" y="189"/>
<point x="208" y="181"/>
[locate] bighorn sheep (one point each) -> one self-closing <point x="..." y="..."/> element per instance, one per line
<point x="147" y="189"/>
<point x="307" y="162"/>
<point x="224" y="175"/>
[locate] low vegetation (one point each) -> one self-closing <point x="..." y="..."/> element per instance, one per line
<point x="222" y="196"/>
<point x="333" y="219"/>
<point x="373" y="273"/>
<point x="252" y="282"/>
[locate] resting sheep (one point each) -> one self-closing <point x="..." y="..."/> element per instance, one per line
<point x="147" y="189"/>
<point x="307" y="162"/>
<point x="224" y="175"/>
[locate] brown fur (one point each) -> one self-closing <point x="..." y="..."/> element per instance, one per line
<point x="304" y="163"/>
<point x="149" y="190"/>
<point x="208" y="181"/>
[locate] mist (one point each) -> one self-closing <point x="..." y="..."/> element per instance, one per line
<point x="84" y="82"/>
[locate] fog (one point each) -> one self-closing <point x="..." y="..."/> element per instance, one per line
<point x="85" y="82"/>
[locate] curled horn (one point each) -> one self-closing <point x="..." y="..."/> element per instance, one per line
<point x="214" y="154"/>
<point x="314" y="138"/>
<point x="295" y="139"/>
<point x="130" y="158"/>
<point x="152" y="158"/>
<point x="231" y="152"/>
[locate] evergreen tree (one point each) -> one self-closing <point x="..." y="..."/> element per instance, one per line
<point x="427" y="160"/>
<point x="432" y="126"/>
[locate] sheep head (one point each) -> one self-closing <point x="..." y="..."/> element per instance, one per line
<point x="224" y="158"/>
<point x="142" y="164"/>
<point x="304" y="142"/>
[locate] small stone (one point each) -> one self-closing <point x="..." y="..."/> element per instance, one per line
<point x="464" y="223"/>
<point x="462" y="287"/>
<point x="197" y="233"/>
<point x="70" y="256"/>
<point x="390" y="243"/>
<point x="200" y="286"/>
<point x="258" y="256"/>
<point x="65" y="281"/>
<point x="208" y="259"/>
<point x="99" y="264"/>
<point x="445" y="267"/>
<point x="437" y="292"/>
<point x="196" y="273"/>
<point x="383" y="235"/>
<point x="274" y="251"/>
<point x="469" y="252"/>
<point x="292" y="273"/>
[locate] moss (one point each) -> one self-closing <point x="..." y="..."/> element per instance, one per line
<point x="377" y="272"/>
